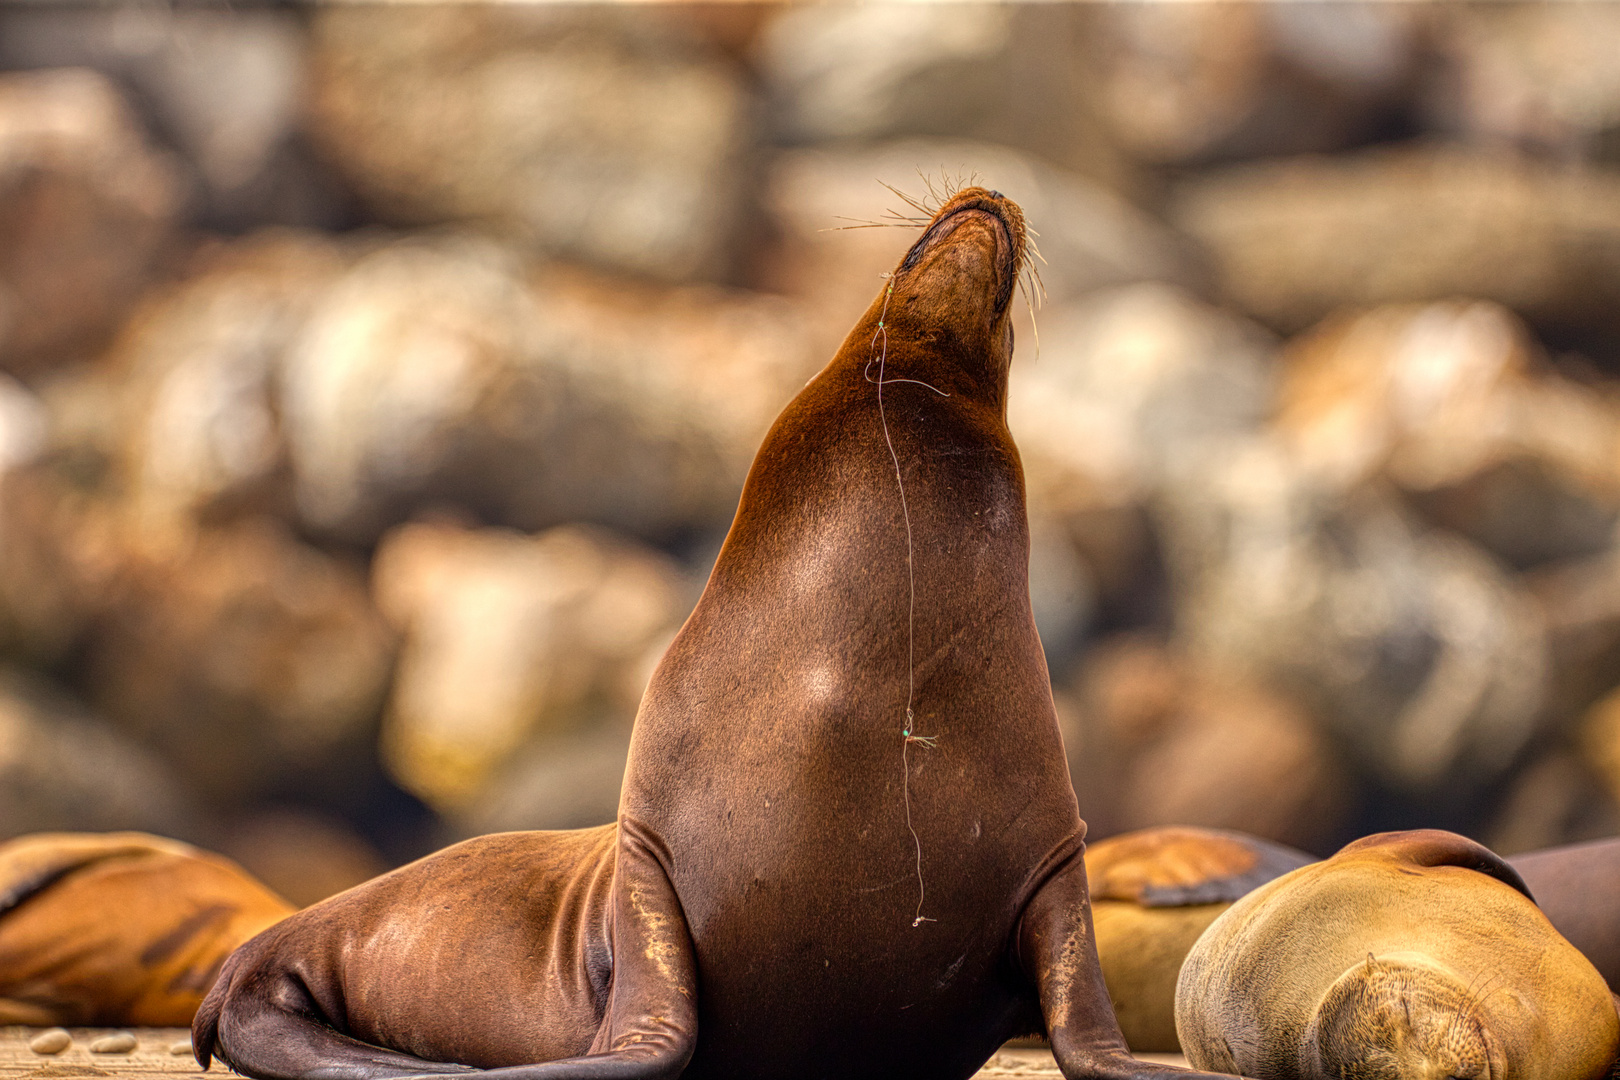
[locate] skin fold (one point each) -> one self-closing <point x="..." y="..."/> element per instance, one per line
<point x="847" y="844"/>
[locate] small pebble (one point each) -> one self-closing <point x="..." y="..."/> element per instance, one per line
<point x="119" y="1043"/>
<point x="53" y="1041"/>
<point x="181" y="1048"/>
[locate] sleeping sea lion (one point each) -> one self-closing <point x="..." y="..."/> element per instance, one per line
<point x="1578" y="887"/>
<point x="1153" y="891"/>
<point x="116" y="929"/>
<point x="847" y="844"/>
<point x="1407" y="955"/>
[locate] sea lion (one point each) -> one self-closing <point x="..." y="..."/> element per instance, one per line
<point x="1576" y="886"/>
<point x="847" y="844"/>
<point x="1406" y="955"/>
<point x="119" y="928"/>
<point x="1153" y="891"/>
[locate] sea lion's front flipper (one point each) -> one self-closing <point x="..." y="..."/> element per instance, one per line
<point x="1058" y="951"/>
<point x="1436" y="847"/>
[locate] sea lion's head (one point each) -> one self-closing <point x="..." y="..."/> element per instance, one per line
<point x="951" y="295"/>
<point x="1405" y="1016"/>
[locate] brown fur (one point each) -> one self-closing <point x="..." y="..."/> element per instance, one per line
<point x="120" y="928"/>
<point x="1406" y="956"/>
<point x="793" y="889"/>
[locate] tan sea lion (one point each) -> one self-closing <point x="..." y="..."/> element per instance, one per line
<point x="116" y="929"/>
<point x="1153" y="891"/>
<point x="847" y="844"/>
<point x="1578" y="887"/>
<point x="1407" y="955"/>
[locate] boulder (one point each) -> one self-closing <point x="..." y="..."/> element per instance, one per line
<point x="1190" y="83"/>
<point x="1157" y="739"/>
<point x="63" y="769"/>
<point x="222" y="88"/>
<point x="1452" y="402"/>
<point x="443" y="369"/>
<point x="1003" y="73"/>
<point x="1420" y="652"/>
<point x="1543" y="78"/>
<point x="511" y="641"/>
<point x="612" y="137"/>
<point x="87" y="214"/>
<point x="252" y="660"/>
<point x="1294" y="239"/>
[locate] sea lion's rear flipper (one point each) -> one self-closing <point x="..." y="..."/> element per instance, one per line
<point x="1178" y="866"/>
<point x="1058" y="952"/>
<point x="263" y="1019"/>
<point x="1436" y="847"/>
<point x="650" y="1029"/>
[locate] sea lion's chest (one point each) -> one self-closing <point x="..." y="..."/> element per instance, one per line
<point x="835" y="875"/>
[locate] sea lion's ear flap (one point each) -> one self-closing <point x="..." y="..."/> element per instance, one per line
<point x="1179" y="866"/>
<point x="1436" y="847"/>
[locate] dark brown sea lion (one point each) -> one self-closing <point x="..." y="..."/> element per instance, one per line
<point x="847" y="845"/>
<point x="119" y="928"/>
<point x="1407" y="956"/>
<point x="1153" y="891"/>
<point x="1578" y="886"/>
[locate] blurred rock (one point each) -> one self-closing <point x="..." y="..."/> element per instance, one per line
<point x="1295" y="239"/>
<point x="221" y="87"/>
<point x="1541" y="77"/>
<point x="1182" y="83"/>
<point x="1417" y="650"/>
<point x="194" y="377"/>
<point x="609" y="136"/>
<point x="86" y="214"/>
<point x="1599" y="739"/>
<point x="1580" y="602"/>
<point x="1557" y="799"/>
<point x="568" y="781"/>
<point x="1130" y="384"/>
<point x="1089" y="237"/>
<point x="300" y="855"/>
<point x="1446" y="400"/>
<point x="440" y="370"/>
<point x="62" y="769"/>
<point x="1156" y="740"/>
<point x="249" y="658"/>
<point x="1005" y="73"/>
<point x="60" y="547"/>
<point x="512" y="640"/>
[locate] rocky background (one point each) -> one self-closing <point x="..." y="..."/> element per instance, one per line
<point x="378" y="385"/>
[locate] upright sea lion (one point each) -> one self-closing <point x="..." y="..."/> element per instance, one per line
<point x="1407" y="956"/>
<point x="1153" y="892"/>
<point x="847" y="844"/>
<point x="1577" y="886"/>
<point x="119" y="928"/>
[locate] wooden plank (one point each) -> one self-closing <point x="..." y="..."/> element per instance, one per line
<point x="153" y="1059"/>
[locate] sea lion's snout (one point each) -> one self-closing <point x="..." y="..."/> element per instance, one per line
<point x="961" y="273"/>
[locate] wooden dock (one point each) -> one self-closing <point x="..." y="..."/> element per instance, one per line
<point x="165" y="1054"/>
